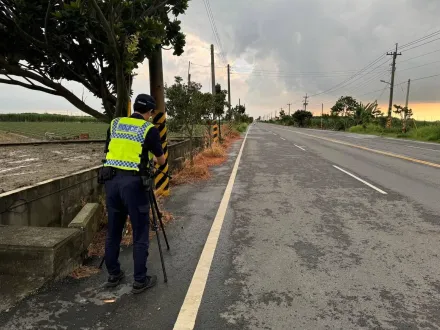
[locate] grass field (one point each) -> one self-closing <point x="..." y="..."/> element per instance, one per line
<point x="69" y="130"/>
<point x="37" y="130"/>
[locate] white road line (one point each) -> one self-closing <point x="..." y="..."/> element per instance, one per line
<point x="359" y="179"/>
<point x="300" y="147"/>
<point x="273" y="133"/>
<point x="283" y="139"/>
<point x="188" y="312"/>
<point x="422" y="148"/>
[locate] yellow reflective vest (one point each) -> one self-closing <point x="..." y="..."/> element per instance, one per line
<point x="127" y="136"/>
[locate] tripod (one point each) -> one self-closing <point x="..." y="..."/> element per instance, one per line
<point x="148" y="183"/>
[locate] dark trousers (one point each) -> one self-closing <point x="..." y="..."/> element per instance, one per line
<point x="125" y="195"/>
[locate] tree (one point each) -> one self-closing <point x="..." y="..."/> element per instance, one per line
<point x="282" y="113"/>
<point x="301" y="117"/>
<point x="95" y="43"/>
<point x="219" y="101"/>
<point x="405" y="114"/>
<point x="363" y="114"/>
<point x="187" y="105"/>
<point x="345" y="106"/>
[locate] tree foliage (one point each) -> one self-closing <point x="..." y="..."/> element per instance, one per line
<point x="219" y="101"/>
<point x="187" y="106"/>
<point x="405" y="114"/>
<point x="95" y="43"/>
<point x="364" y="114"/>
<point x="345" y="106"/>
<point x="301" y="117"/>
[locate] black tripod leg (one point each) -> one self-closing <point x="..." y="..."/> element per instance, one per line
<point x="156" y="229"/>
<point x="102" y="262"/>
<point x="159" y="214"/>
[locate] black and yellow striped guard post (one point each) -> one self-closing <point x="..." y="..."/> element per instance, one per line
<point x="215" y="133"/>
<point x="162" y="180"/>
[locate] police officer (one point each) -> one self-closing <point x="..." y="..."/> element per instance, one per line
<point x="129" y="141"/>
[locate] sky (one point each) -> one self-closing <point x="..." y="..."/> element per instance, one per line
<point x="279" y="50"/>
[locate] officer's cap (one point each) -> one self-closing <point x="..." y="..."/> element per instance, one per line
<point x="144" y="103"/>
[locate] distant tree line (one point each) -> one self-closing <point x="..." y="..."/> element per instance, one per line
<point x="349" y="114"/>
<point x="45" y="117"/>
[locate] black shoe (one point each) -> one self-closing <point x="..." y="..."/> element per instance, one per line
<point x="139" y="287"/>
<point x="114" y="280"/>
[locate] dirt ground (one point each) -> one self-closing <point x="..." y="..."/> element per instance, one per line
<point x="24" y="166"/>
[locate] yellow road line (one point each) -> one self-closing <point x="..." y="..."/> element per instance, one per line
<point x="386" y="153"/>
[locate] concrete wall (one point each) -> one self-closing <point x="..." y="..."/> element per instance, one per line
<point x="52" y="203"/>
<point x="179" y="151"/>
<point x="55" y="202"/>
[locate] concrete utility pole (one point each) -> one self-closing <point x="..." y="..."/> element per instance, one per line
<point x="189" y="74"/>
<point x="393" y="71"/>
<point x="229" y="90"/>
<point x="212" y="70"/>
<point x="159" y="120"/>
<point x="289" y="104"/>
<point x="322" y="114"/>
<point x="407" y="94"/>
<point x="305" y="102"/>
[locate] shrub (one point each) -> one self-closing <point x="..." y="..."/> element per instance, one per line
<point x="242" y="127"/>
<point x="426" y="133"/>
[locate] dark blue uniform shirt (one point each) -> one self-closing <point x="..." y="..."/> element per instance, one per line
<point x="152" y="140"/>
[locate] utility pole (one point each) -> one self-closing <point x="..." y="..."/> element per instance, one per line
<point x="189" y="74"/>
<point x="322" y="114"/>
<point x="393" y="71"/>
<point x="407" y="94"/>
<point x="289" y="104"/>
<point x="212" y="70"/>
<point x="229" y="90"/>
<point x="159" y="120"/>
<point x="305" y="102"/>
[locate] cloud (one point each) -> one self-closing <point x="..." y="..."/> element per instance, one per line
<point x="269" y="42"/>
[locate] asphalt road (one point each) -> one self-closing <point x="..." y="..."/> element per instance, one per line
<point x="312" y="230"/>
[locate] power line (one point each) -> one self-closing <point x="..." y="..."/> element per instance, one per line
<point x="421" y="44"/>
<point x="418" y="66"/>
<point x="412" y="58"/>
<point x="419" y="40"/>
<point x="383" y="91"/>
<point x="405" y="82"/>
<point x="338" y="86"/>
<point x="205" y="66"/>
<point x="214" y="29"/>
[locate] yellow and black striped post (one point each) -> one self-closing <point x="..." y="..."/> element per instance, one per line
<point x="162" y="180"/>
<point x="389" y="122"/>
<point x="215" y="133"/>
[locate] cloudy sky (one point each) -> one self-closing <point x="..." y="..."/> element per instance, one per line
<point x="280" y="50"/>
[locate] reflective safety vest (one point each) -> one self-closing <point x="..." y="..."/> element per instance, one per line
<point x="127" y="136"/>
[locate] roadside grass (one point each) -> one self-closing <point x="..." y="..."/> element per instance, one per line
<point x="429" y="133"/>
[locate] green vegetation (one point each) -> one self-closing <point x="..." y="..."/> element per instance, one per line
<point x="424" y="133"/>
<point x="39" y="117"/>
<point x="355" y="117"/>
<point x="98" y="44"/>
<point x="65" y="130"/>
<point x="241" y="127"/>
